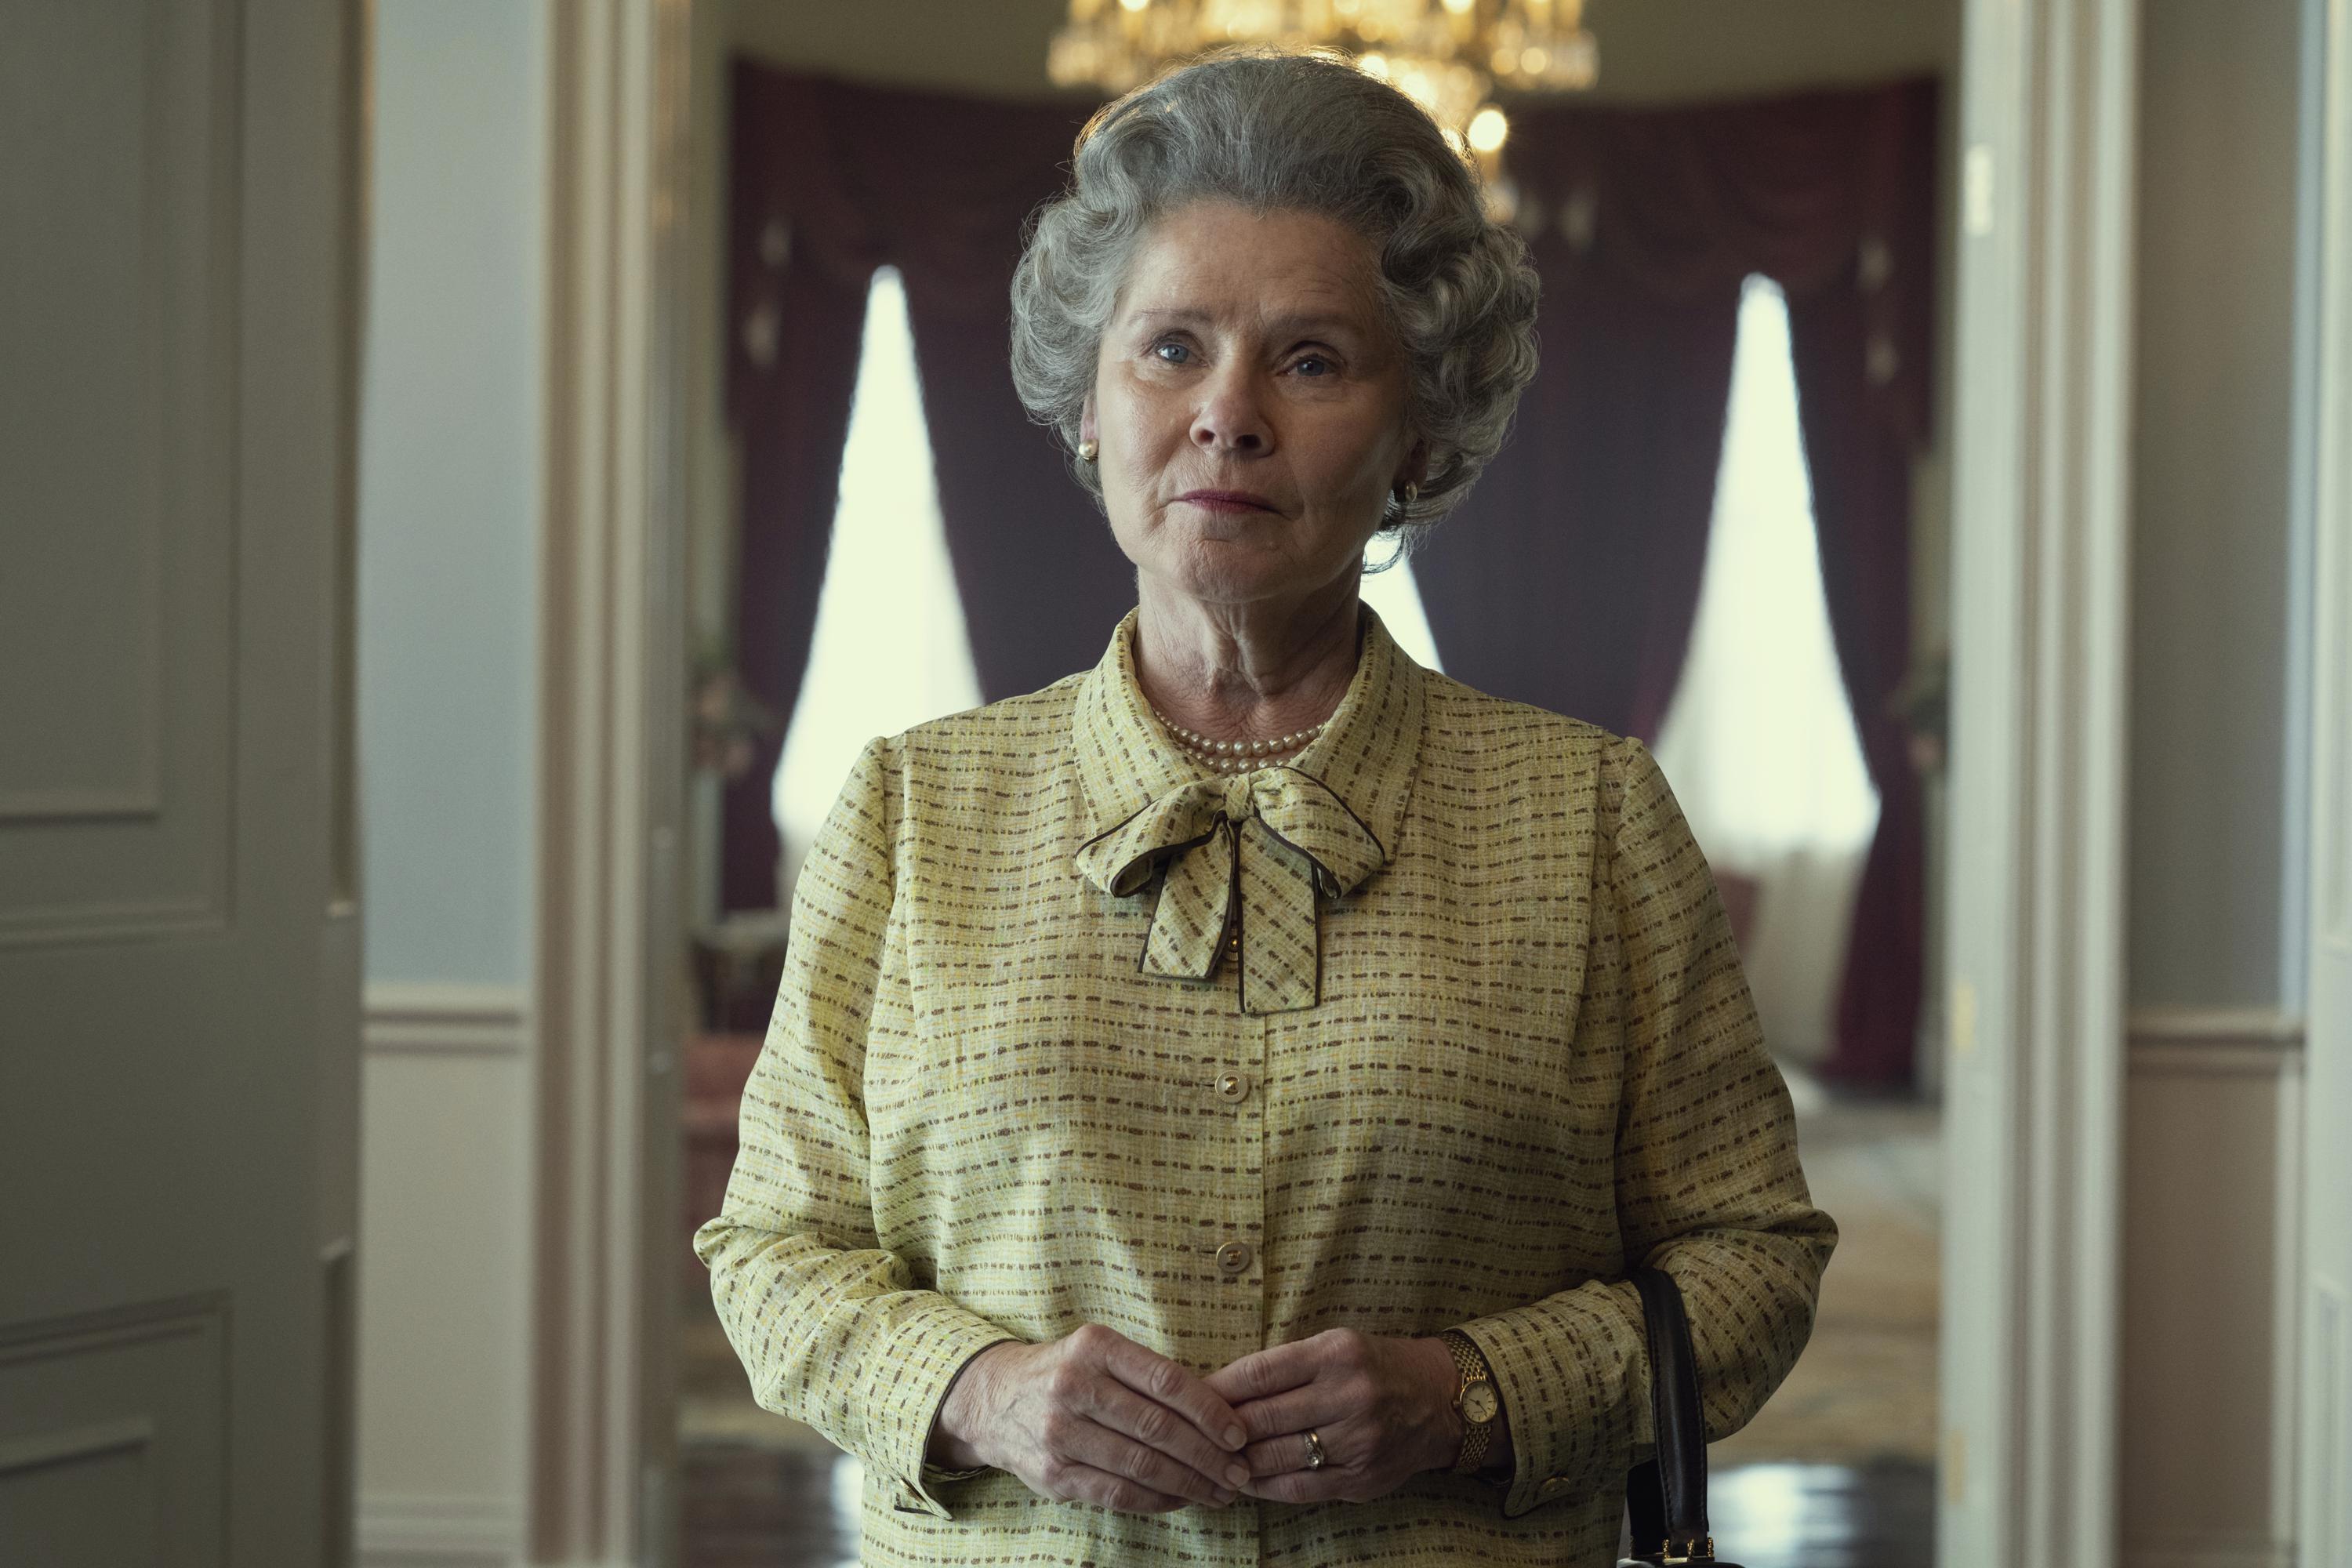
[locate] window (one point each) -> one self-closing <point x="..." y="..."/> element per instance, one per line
<point x="889" y="649"/>
<point x="1760" y="726"/>
<point x="1396" y="599"/>
<point x="1760" y="744"/>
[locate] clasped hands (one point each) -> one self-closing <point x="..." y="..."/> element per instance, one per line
<point x="1095" y="1417"/>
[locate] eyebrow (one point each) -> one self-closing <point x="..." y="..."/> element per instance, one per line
<point x="1305" y="323"/>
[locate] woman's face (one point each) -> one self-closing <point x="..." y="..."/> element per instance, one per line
<point x="1249" y="405"/>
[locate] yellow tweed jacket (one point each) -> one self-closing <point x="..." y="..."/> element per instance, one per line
<point x="1520" y="1059"/>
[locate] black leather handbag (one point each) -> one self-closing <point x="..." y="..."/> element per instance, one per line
<point x="1666" y="1499"/>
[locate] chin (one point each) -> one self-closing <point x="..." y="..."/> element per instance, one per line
<point x="1224" y="570"/>
<point x="1233" y="583"/>
<point x="1215" y="562"/>
<point x="1222" y="587"/>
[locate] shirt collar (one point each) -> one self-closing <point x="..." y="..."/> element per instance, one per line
<point x="1366" y="755"/>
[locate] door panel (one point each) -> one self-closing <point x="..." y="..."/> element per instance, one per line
<point x="110" y="1431"/>
<point x="179" y="969"/>
<point x="115" y="466"/>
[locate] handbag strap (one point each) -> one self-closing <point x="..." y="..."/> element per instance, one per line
<point x="1666" y="1497"/>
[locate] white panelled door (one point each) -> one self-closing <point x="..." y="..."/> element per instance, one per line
<point x="2324" y="1528"/>
<point x="178" y="957"/>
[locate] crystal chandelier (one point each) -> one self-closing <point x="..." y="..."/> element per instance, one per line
<point x="1448" y="56"/>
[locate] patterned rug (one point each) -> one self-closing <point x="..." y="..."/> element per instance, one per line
<point x="1865" y="1390"/>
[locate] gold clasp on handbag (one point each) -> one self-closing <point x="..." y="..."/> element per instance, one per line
<point x="1696" y="1551"/>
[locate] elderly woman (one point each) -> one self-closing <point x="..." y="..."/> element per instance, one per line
<point x="1213" y="1103"/>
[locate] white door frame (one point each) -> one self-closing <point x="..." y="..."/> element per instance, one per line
<point x="2324" y="1289"/>
<point x="611" y="765"/>
<point x="2034" y="1086"/>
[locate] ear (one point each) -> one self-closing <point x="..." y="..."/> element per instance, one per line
<point x="1415" y="469"/>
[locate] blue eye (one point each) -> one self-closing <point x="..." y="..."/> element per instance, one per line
<point x="1162" y="350"/>
<point x="1314" y="360"/>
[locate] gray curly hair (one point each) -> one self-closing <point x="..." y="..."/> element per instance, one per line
<point x="1309" y="133"/>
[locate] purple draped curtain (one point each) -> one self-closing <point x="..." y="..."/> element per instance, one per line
<point x="1571" y="576"/>
<point x="830" y="181"/>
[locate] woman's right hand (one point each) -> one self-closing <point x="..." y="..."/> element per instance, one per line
<point x="1095" y="1417"/>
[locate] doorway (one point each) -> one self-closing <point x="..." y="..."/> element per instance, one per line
<point x="2001" y="1060"/>
<point x="1849" y="1450"/>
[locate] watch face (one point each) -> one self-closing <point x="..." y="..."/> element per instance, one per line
<point x="1478" y="1404"/>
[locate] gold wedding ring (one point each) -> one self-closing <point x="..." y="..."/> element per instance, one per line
<point x="1314" y="1451"/>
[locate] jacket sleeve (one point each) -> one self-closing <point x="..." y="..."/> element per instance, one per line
<point x="1707" y="1184"/>
<point x="830" y="1325"/>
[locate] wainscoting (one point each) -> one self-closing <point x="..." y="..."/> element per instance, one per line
<point x="444" y="1276"/>
<point x="2213" y="1168"/>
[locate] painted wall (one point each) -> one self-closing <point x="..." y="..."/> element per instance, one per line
<point x="2212" y="1158"/>
<point x="2214" y="407"/>
<point x="449" y="487"/>
<point x="449" y="501"/>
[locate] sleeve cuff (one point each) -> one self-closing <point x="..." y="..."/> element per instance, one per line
<point x="1552" y="1394"/>
<point x="914" y="1387"/>
<point x="1528" y="1487"/>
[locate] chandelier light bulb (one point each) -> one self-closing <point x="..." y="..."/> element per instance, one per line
<point x="1489" y="128"/>
<point x="1448" y="56"/>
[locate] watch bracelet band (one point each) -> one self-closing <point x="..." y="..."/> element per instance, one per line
<point x="1471" y="1365"/>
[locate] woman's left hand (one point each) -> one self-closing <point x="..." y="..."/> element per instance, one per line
<point x="1382" y="1408"/>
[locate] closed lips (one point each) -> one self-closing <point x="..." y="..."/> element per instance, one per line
<point x="1230" y="499"/>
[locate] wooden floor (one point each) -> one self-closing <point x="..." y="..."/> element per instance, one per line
<point x="748" y="1506"/>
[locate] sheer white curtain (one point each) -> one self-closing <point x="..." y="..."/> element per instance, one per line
<point x="889" y="649"/>
<point x="1758" y="745"/>
<point x="1396" y="600"/>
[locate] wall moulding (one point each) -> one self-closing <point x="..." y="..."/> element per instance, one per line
<point x="401" y="1532"/>
<point x="2203" y="1040"/>
<point x="441" y="1019"/>
<point x="2209" y="1554"/>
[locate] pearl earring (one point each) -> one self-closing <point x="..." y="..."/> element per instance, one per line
<point x="1087" y="450"/>
<point x="1411" y="492"/>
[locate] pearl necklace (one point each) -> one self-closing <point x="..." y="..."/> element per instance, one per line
<point x="1238" y="757"/>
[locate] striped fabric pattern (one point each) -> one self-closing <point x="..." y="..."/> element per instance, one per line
<point x="1525" y="1059"/>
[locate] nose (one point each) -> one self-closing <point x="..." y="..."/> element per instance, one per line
<point x="1231" y="417"/>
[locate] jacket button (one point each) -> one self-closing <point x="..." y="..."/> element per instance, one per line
<point x="1553" y="1486"/>
<point x="1234" y="1256"/>
<point x="1234" y="1086"/>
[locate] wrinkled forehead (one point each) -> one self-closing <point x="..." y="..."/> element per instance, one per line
<point x="1220" y="267"/>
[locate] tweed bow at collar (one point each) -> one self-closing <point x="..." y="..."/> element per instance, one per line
<point x="1266" y="843"/>
<point x="1248" y="853"/>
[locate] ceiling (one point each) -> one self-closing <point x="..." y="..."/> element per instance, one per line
<point x="1651" y="51"/>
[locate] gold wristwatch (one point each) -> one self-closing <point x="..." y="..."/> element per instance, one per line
<point x="1475" y="1401"/>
